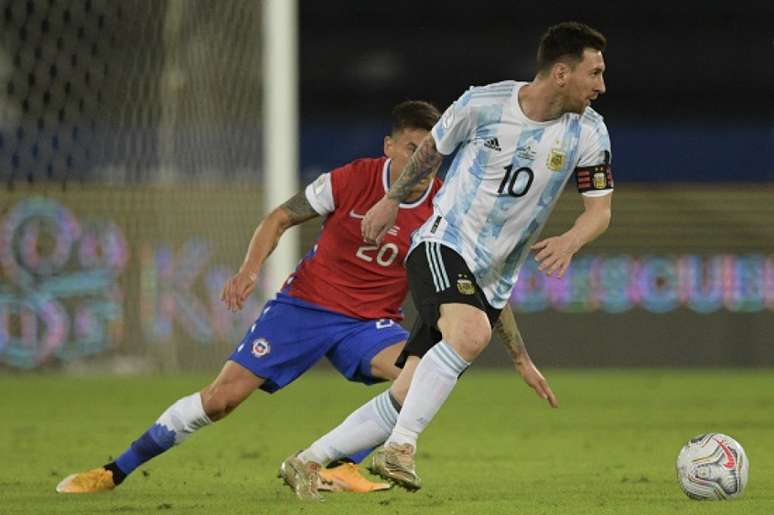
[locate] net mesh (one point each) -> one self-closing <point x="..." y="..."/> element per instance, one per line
<point x="129" y="156"/>
<point x="130" y="91"/>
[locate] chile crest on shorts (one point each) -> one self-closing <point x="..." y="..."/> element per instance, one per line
<point x="261" y="347"/>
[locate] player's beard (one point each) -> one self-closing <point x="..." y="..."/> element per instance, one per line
<point x="577" y="107"/>
<point x="581" y="106"/>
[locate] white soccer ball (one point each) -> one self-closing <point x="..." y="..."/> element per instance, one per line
<point x="712" y="466"/>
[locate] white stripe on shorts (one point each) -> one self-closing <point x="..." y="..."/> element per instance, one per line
<point x="437" y="267"/>
<point x="443" y="265"/>
<point x="432" y="268"/>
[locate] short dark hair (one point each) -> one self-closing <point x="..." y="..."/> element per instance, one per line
<point x="567" y="40"/>
<point x="414" y="114"/>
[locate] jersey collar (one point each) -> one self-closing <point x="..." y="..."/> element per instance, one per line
<point x="386" y="181"/>
<point x="517" y="111"/>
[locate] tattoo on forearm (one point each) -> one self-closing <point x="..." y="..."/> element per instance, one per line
<point x="425" y="159"/>
<point x="505" y="328"/>
<point x="298" y="208"/>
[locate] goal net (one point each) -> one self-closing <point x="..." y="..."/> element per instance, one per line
<point x="130" y="167"/>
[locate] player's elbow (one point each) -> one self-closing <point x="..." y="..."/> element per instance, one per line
<point x="279" y="218"/>
<point x="605" y="216"/>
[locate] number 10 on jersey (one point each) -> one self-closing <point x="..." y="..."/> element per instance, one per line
<point x="516" y="184"/>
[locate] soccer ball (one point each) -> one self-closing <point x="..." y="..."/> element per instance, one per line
<point x="712" y="466"/>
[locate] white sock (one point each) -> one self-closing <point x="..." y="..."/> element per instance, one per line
<point x="433" y="381"/>
<point x="184" y="417"/>
<point x="366" y="427"/>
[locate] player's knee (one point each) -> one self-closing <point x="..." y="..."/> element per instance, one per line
<point x="469" y="337"/>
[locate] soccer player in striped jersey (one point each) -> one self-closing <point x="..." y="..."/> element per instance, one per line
<point x="342" y="302"/>
<point x="519" y="143"/>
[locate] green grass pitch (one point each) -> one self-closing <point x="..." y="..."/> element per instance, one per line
<point x="494" y="448"/>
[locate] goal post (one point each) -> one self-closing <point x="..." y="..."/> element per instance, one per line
<point x="280" y="136"/>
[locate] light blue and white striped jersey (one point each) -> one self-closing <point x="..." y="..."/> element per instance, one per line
<point x="505" y="179"/>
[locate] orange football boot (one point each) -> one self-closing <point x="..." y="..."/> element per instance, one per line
<point x="347" y="478"/>
<point x="94" y="480"/>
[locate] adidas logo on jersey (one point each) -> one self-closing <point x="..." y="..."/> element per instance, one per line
<point x="493" y="144"/>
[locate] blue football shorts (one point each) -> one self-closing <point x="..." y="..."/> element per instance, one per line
<point x="291" y="336"/>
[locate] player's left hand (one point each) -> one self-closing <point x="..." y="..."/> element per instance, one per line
<point x="237" y="289"/>
<point x="536" y="381"/>
<point x="554" y="254"/>
<point x="379" y="219"/>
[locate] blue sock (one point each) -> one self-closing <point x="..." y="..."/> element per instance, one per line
<point x="173" y="426"/>
<point x="358" y="457"/>
<point x="153" y="442"/>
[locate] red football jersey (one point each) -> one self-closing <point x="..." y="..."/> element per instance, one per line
<point x="342" y="273"/>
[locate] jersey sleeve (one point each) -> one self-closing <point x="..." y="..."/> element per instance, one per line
<point x="593" y="173"/>
<point x="455" y="126"/>
<point x="320" y="194"/>
<point x="335" y="188"/>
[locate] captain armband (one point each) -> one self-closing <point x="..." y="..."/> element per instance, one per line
<point x="594" y="178"/>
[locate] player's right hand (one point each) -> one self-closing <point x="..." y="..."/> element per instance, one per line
<point x="535" y="380"/>
<point x="237" y="289"/>
<point x="379" y="219"/>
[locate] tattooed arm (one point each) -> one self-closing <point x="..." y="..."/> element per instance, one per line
<point x="294" y="211"/>
<point x="423" y="162"/>
<point x="505" y="328"/>
<point x="508" y="332"/>
<point x="382" y="215"/>
<point x="265" y="238"/>
<point x="297" y="210"/>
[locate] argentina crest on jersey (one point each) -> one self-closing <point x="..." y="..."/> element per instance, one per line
<point x="556" y="159"/>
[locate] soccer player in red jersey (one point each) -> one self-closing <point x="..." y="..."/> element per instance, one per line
<point x="342" y="302"/>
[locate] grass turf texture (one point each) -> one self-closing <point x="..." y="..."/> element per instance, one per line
<point x="494" y="448"/>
